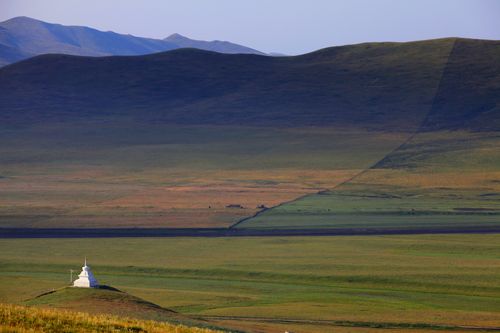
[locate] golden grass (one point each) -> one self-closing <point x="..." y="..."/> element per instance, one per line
<point x="15" y="318"/>
<point x="156" y="198"/>
<point x="168" y="176"/>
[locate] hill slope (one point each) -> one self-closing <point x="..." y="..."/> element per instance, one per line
<point x="27" y="319"/>
<point x="213" y="131"/>
<point x="27" y="37"/>
<point x="10" y="54"/>
<point x="107" y="300"/>
<point x="380" y="85"/>
<point x="377" y="85"/>
<point x="469" y="91"/>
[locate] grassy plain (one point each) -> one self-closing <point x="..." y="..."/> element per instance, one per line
<point x="428" y="281"/>
<point x="437" y="179"/>
<point x="113" y="175"/>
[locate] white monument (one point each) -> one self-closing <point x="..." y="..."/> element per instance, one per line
<point x="86" y="279"/>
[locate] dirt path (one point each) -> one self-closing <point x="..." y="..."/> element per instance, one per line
<point x="345" y="323"/>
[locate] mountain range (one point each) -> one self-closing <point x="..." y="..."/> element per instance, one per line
<point x="24" y="37"/>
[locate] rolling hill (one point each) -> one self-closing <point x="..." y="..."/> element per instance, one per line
<point x="181" y="138"/>
<point x="384" y="85"/>
<point x="110" y="301"/>
<point x="389" y="86"/>
<point x="445" y="175"/>
<point x="24" y="37"/>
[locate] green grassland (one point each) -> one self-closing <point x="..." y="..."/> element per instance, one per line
<point x="391" y="281"/>
<point x="101" y="175"/>
<point x="437" y="179"/>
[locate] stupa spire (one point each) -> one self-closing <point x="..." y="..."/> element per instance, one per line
<point x="86" y="278"/>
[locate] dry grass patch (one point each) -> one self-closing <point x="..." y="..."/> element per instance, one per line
<point x="15" y="318"/>
<point x="155" y="198"/>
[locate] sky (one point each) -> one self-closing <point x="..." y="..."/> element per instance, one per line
<point x="284" y="26"/>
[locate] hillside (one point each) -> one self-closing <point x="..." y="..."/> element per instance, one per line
<point x="24" y="37"/>
<point x="445" y="176"/>
<point x="109" y="301"/>
<point x="10" y="54"/>
<point x="389" y="86"/>
<point x="469" y="91"/>
<point x="26" y="319"/>
<point x="181" y="138"/>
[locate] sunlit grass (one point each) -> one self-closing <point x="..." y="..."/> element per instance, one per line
<point x="15" y="318"/>
<point x="440" y="279"/>
<point x="438" y="179"/>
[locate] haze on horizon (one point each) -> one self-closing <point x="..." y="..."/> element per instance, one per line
<point x="290" y="27"/>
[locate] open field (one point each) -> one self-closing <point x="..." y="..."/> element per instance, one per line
<point x="186" y="177"/>
<point x="437" y="179"/>
<point x="428" y="281"/>
<point x="94" y="175"/>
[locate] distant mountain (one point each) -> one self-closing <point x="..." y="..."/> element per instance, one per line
<point x="216" y="45"/>
<point x="23" y="37"/>
<point x="277" y="54"/>
<point x="37" y="37"/>
<point x="9" y="55"/>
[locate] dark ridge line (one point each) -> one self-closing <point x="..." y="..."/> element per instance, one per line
<point x="16" y="233"/>
<point x="349" y="323"/>
<point x="375" y="164"/>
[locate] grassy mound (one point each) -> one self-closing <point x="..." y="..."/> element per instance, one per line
<point x="110" y="301"/>
<point x="15" y="318"/>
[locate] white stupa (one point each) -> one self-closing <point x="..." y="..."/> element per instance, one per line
<point x="86" y="279"/>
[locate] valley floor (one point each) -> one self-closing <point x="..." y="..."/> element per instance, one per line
<point x="97" y="175"/>
<point x="362" y="283"/>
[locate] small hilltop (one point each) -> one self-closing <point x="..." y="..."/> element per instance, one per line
<point x="110" y="301"/>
